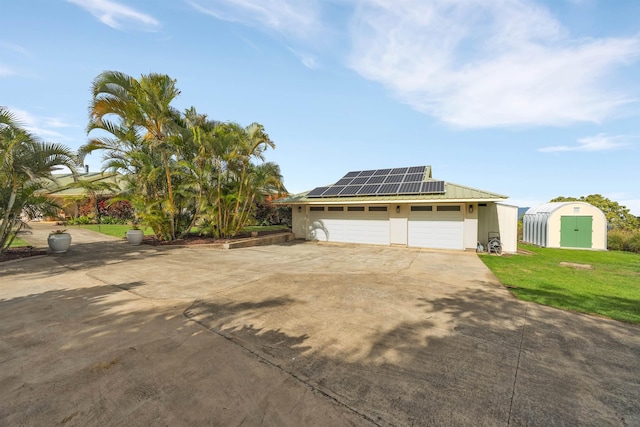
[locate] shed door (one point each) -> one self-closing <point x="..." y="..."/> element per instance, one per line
<point x="576" y="231"/>
<point x="436" y="229"/>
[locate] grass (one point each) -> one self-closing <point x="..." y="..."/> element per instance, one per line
<point x="611" y="288"/>
<point x="115" y="230"/>
<point x="19" y="243"/>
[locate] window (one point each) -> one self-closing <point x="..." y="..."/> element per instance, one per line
<point x="421" y="208"/>
<point x="355" y="208"/>
<point x="335" y="209"/>
<point x="448" y="208"/>
<point x="316" y="208"/>
<point x="377" y="208"/>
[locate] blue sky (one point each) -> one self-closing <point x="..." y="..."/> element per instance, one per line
<point x="531" y="99"/>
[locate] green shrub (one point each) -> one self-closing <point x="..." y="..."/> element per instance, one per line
<point x="624" y="240"/>
<point x="80" y="220"/>
<point x="633" y="243"/>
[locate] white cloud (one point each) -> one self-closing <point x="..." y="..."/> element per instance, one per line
<point x="469" y="63"/>
<point x="600" y="142"/>
<point x="480" y="64"/>
<point x="307" y="59"/>
<point x="117" y="15"/>
<point x="299" y="19"/>
<point x="41" y="126"/>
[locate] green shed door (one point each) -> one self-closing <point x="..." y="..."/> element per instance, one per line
<point x="576" y="231"/>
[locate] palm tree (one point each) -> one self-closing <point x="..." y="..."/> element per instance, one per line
<point x="138" y="116"/>
<point x="26" y="165"/>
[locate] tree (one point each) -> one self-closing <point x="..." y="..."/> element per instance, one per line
<point x="618" y="216"/>
<point x="26" y="166"/>
<point x="143" y="129"/>
<point x="179" y="168"/>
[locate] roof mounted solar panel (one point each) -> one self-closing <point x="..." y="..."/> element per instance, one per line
<point x="413" y="177"/>
<point x="399" y="171"/>
<point x="431" y="187"/>
<point x="360" y="180"/>
<point x="393" y="178"/>
<point x="317" y="192"/>
<point x="350" y="190"/>
<point x="382" y="182"/>
<point x="369" y="189"/>
<point x="410" y="188"/>
<point x="387" y="189"/>
<point x="376" y="180"/>
<point x="382" y="172"/>
<point x="344" y="181"/>
<point x="333" y="191"/>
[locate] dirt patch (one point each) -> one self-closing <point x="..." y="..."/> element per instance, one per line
<point x="17" y="253"/>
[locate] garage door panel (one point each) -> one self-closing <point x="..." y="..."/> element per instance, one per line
<point x="438" y="230"/>
<point x="349" y="227"/>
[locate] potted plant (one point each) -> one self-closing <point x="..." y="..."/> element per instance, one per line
<point x="135" y="235"/>
<point x="59" y="241"/>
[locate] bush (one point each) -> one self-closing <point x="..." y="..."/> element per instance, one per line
<point x="80" y="220"/>
<point x="624" y="240"/>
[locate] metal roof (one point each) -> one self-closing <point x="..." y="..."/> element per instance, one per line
<point x="62" y="184"/>
<point x="548" y="208"/>
<point x="453" y="193"/>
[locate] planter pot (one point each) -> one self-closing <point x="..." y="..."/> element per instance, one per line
<point x="59" y="243"/>
<point x="134" y="237"/>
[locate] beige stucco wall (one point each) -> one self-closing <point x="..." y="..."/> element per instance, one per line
<point x="470" y="225"/>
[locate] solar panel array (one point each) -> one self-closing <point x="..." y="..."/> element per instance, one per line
<point x="381" y="182"/>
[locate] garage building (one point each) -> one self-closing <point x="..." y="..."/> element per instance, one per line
<point x="565" y="225"/>
<point x="405" y="207"/>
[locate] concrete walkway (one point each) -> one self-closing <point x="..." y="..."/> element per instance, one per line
<point x="297" y="334"/>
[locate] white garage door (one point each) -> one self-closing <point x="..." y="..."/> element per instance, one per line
<point x="436" y="228"/>
<point x="349" y="226"/>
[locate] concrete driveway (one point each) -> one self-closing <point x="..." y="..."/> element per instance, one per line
<point x="297" y="334"/>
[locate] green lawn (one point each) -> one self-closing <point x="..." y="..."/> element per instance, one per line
<point x="119" y="230"/>
<point x="611" y="288"/>
<point x="18" y="243"/>
<point x="115" y="230"/>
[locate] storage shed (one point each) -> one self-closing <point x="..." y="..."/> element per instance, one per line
<point x="565" y="225"/>
<point x="402" y="207"/>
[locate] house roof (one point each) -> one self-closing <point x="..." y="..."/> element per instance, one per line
<point x="453" y="193"/>
<point x="62" y="184"/>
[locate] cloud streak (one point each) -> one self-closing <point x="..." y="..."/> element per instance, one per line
<point x="468" y="63"/>
<point x="118" y="16"/>
<point x="298" y="19"/>
<point x="600" y="142"/>
<point x="40" y="126"/>
<point x="479" y="64"/>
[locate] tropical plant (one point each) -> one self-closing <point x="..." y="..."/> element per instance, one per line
<point x="141" y="129"/>
<point x="26" y="166"/>
<point x="179" y="169"/>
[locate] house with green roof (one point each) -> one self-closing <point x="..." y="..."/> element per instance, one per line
<point x="405" y="207"/>
<point x="70" y="192"/>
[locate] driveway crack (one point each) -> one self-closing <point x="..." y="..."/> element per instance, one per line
<point x="515" y="377"/>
